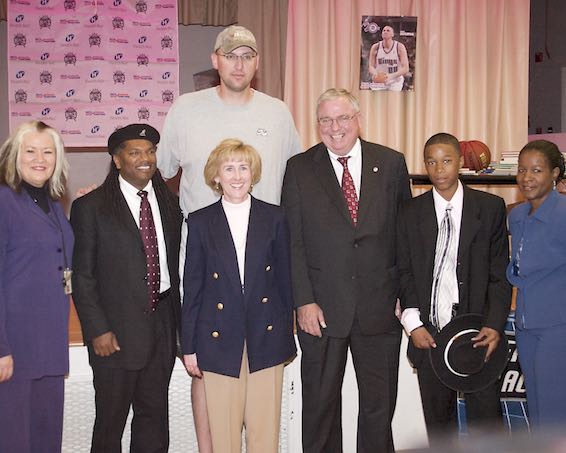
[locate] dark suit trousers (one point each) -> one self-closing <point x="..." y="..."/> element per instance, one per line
<point x="145" y="390"/>
<point x="376" y="363"/>
<point x="483" y="408"/>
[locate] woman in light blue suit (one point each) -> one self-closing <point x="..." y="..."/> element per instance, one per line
<point x="237" y="321"/>
<point x="538" y="270"/>
<point x="36" y="244"/>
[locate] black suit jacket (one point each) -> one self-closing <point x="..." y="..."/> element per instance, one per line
<point x="347" y="270"/>
<point x="109" y="270"/>
<point x="483" y="255"/>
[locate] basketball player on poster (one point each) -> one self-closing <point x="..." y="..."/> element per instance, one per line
<point x="388" y="62"/>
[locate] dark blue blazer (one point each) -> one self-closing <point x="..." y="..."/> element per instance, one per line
<point x="218" y="314"/>
<point x="34" y="310"/>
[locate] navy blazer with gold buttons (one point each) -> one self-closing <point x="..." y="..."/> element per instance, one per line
<point x="219" y="314"/>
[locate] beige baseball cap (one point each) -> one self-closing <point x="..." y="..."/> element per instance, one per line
<point x="233" y="37"/>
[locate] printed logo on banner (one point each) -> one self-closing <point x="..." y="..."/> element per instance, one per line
<point x="144" y="93"/>
<point x="45" y="77"/>
<point x="19" y="18"/>
<point x="119" y="113"/>
<point x="70" y="5"/>
<point x="70" y="58"/>
<point x="44" y="2"/>
<point x="71" y="114"/>
<point x="45" y="40"/>
<point x="70" y="37"/>
<point x="141" y="6"/>
<point x="20" y="96"/>
<point x="20" y="74"/>
<point x="95" y="95"/>
<point x="70" y="77"/>
<point x="118" y="23"/>
<point x="142" y="39"/>
<point x="143" y="113"/>
<point x="94" y="40"/>
<point x="167" y="96"/>
<point x="70" y="93"/>
<point x="118" y="56"/>
<point x="44" y="56"/>
<point x="93" y="19"/>
<point x="20" y="40"/>
<point x="166" y="42"/>
<point x="143" y="77"/>
<point x="119" y="77"/>
<point x="44" y="22"/>
<point x="164" y="6"/>
<point x="166" y="75"/>
<point x="142" y="60"/>
<point x="165" y="22"/>
<point x="117" y="2"/>
<point x="45" y="111"/>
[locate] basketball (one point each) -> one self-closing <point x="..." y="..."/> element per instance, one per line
<point x="380" y="77"/>
<point x="477" y="155"/>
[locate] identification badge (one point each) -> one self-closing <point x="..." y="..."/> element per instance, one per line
<point x="67" y="283"/>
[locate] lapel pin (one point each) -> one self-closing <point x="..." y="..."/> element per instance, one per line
<point x="375" y="169"/>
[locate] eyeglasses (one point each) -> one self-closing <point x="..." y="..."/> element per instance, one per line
<point x="342" y="120"/>
<point x="233" y="58"/>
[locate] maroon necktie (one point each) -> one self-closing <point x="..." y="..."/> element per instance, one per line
<point x="149" y="239"/>
<point x="349" y="190"/>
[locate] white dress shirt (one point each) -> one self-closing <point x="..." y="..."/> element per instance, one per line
<point x="354" y="165"/>
<point x="134" y="202"/>
<point x="411" y="317"/>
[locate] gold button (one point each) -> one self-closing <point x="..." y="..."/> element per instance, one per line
<point x="267" y="268"/>
<point x="220" y="306"/>
<point x="264" y="300"/>
<point x="215" y="276"/>
<point x="215" y="334"/>
<point x="269" y="328"/>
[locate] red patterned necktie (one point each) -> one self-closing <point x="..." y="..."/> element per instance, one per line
<point x="349" y="190"/>
<point x="149" y="239"/>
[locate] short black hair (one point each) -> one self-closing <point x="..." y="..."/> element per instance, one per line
<point x="551" y="153"/>
<point x="444" y="138"/>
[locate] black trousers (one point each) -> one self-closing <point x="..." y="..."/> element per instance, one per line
<point x="376" y="363"/>
<point x="145" y="390"/>
<point x="483" y="408"/>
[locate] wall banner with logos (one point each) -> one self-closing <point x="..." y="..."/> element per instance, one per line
<point x="89" y="67"/>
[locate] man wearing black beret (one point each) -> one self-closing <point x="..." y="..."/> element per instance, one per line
<point x="126" y="291"/>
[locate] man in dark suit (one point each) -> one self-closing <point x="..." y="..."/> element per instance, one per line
<point x="472" y="281"/>
<point x="126" y="292"/>
<point x="342" y="215"/>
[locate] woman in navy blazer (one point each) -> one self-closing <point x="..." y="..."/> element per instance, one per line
<point x="237" y="321"/>
<point x="538" y="270"/>
<point x="36" y="243"/>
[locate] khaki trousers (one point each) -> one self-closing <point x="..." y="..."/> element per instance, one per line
<point x="253" y="400"/>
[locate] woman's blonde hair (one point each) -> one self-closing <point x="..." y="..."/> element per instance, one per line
<point x="231" y="149"/>
<point x="10" y="150"/>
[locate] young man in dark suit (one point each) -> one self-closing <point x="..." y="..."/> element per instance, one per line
<point x="126" y="291"/>
<point x="341" y="198"/>
<point x="452" y="270"/>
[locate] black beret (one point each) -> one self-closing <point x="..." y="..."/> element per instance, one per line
<point x="132" y="132"/>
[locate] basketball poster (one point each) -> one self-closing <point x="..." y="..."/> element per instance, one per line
<point x="388" y="53"/>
